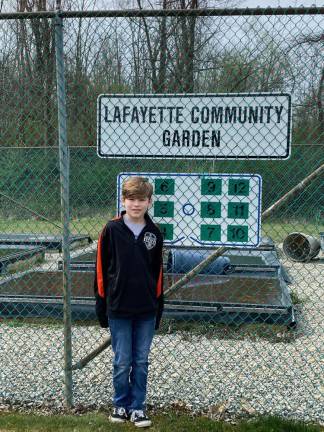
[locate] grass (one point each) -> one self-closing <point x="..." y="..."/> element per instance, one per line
<point x="19" y="322"/>
<point x="25" y="264"/>
<point x="251" y="331"/>
<point x="170" y="422"/>
<point x="277" y="230"/>
<point x="5" y="252"/>
<point x="90" y="226"/>
<point x="188" y="330"/>
<point x="296" y="299"/>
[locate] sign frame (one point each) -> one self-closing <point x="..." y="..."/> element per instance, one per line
<point x="178" y="243"/>
<point x="102" y="154"/>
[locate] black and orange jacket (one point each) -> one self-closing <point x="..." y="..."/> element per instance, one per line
<point x="128" y="279"/>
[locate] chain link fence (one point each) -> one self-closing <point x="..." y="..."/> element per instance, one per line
<point x="222" y="110"/>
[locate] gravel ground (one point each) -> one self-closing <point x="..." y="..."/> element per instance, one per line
<point x="226" y="376"/>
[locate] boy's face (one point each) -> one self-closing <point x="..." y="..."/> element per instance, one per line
<point x="136" y="207"/>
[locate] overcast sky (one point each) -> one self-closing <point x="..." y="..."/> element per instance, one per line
<point x="282" y="3"/>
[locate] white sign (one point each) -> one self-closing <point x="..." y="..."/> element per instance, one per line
<point x="204" y="209"/>
<point x="214" y="126"/>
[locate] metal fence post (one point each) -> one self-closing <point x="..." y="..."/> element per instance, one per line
<point x="65" y="210"/>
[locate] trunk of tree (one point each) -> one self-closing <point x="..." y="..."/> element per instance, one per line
<point x="190" y="37"/>
<point x="136" y="58"/>
<point x="152" y="57"/>
<point x="41" y="88"/>
<point x="320" y="103"/>
<point x="163" y="52"/>
<point x="185" y="43"/>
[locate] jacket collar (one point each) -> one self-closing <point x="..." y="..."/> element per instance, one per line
<point x="147" y="218"/>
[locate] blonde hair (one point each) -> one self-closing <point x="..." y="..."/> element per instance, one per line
<point x="137" y="187"/>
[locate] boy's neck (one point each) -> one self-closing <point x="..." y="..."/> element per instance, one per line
<point x="131" y="219"/>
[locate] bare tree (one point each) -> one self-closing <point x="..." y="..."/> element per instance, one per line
<point x="317" y="93"/>
<point x="159" y="54"/>
<point x="309" y="123"/>
<point x="35" y="41"/>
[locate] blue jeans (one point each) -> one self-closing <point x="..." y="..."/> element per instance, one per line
<point x="131" y="341"/>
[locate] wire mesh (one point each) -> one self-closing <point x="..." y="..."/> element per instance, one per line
<point x="244" y="335"/>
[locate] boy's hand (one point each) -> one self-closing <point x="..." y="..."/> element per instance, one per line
<point x="157" y="323"/>
<point x="104" y="322"/>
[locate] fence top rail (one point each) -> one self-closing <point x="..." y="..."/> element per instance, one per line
<point x="94" y="146"/>
<point x="129" y="13"/>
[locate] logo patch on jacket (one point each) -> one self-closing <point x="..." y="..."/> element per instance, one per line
<point x="149" y="240"/>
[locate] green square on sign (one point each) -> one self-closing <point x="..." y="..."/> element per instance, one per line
<point x="237" y="233"/>
<point x="210" y="209"/>
<point x="210" y="232"/>
<point x="164" y="186"/>
<point x="167" y="231"/>
<point x="239" y="187"/>
<point x="238" y="210"/>
<point x="163" y="208"/>
<point x="211" y="186"/>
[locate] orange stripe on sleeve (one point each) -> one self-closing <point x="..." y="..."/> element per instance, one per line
<point x="159" y="285"/>
<point x="100" y="281"/>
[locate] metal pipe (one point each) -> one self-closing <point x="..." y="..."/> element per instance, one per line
<point x="135" y="13"/>
<point x="81" y="363"/>
<point x="65" y="209"/>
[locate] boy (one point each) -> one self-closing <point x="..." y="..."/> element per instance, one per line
<point x="129" y="296"/>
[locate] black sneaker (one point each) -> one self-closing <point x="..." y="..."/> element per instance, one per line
<point x="119" y="415"/>
<point x="139" y="418"/>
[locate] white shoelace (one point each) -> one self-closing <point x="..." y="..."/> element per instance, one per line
<point x="138" y="413"/>
<point x="121" y="411"/>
